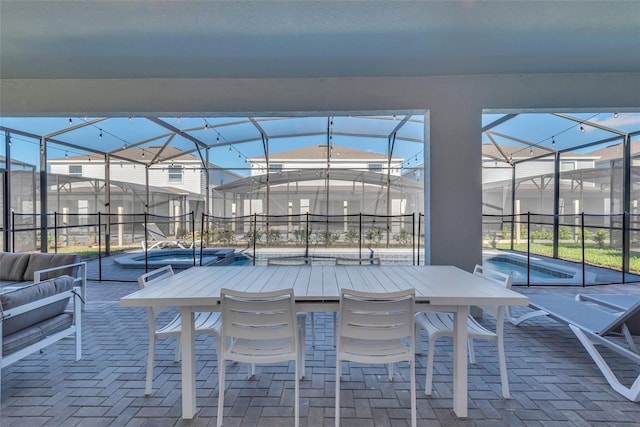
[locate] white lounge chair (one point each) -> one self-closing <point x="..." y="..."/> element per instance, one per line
<point x="160" y="240"/>
<point x="591" y="325"/>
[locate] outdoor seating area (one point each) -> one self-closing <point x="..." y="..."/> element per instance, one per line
<point x="552" y="378"/>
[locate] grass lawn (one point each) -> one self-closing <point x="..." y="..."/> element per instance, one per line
<point x="594" y="255"/>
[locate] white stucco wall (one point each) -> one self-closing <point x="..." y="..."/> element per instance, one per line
<point x="455" y="103"/>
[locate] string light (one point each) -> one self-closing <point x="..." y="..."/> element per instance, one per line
<point x="66" y="155"/>
<point x="581" y="128"/>
<point x="100" y="135"/>
<point x="178" y="119"/>
<point x="206" y="126"/>
<point x="553" y="141"/>
<point x="130" y="119"/>
<point x="229" y="148"/>
<point x="531" y="151"/>
<point x="143" y="152"/>
<point x="615" y="115"/>
<point x="70" y="122"/>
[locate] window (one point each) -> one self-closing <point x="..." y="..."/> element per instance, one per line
<point x="75" y="170"/>
<point x="567" y="165"/>
<point x="175" y="174"/>
<point x="375" y="167"/>
<point x="275" y="167"/>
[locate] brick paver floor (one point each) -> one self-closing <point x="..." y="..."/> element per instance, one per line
<point x="553" y="381"/>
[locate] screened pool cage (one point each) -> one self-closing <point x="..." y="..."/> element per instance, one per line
<point x="556" y="186"/>
<point x="104" y="176"/>
<point x="565" y="189"/>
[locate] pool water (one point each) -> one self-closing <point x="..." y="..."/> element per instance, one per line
<point x="517" y="269"/>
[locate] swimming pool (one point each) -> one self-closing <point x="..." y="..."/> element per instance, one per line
<point x="179" y="258"/>
<point x="540" y="271"/>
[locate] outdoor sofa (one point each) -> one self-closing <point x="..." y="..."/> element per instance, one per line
<point x="21" y="269"/>
<point x="35" y="316"/>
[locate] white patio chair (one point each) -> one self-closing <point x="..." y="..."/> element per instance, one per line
<point x="364" y="262"/>
<point x="438" y="325"/>
<point x="357" y="261"/>
<point x="258" y="327"/>
<point x="376" y="328"/>
<point x="302" y="316"/>
<point x="205" y="323"/>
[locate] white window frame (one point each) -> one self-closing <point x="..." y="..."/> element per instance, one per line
<point x="175" y="174"/>
<point x="75" y="173"/>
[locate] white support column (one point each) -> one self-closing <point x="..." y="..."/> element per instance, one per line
<point x="120" y="226"/>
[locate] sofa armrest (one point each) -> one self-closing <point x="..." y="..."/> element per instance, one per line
<point x="80" y="278"/>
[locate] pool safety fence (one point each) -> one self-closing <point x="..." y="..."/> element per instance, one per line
<point x="397" y="239"/>
<point x="586" y="240"/>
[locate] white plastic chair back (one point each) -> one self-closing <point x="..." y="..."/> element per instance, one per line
<point x="150" y="278"/>
<point x="260" y="317"/>
<point x="289" y="261"/>
<point x="358" y="261"/>
<point x="376" y="316"/>
<point x="258" y="328"/>
<point x="498" y="277"/>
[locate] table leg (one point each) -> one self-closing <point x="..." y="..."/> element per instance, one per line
<point x="460" y="361"/>
<point x="188" y="363"/>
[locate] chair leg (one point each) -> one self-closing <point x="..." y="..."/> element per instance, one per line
<point x="504" y="378"/>
<point x="430" y="355"/>
<point x="302" y="332"/>
<point x="337" y="393"/>
<point x="472" y="351"/>
<point x="313" y="330"/>
<point x="221" y="374"/>
<point x="414" y="416"/>
<point x="297" y="395"/>
<point x="150" y="358"/>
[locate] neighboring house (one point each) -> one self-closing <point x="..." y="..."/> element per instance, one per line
<point x="590" y="182"/>
<point x="177" y="185"/>
<point x="357" y="182"/>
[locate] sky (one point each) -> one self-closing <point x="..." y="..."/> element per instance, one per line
<point x="537" y="129"/>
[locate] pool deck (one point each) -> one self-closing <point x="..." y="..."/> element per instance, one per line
<point x="553" y="381"/>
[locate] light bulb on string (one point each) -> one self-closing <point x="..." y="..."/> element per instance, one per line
<point x="100" y="135"/>
<point x="581" y="128"/>
<point x="70" y="122"/>
<point x="66" y="155"/>
<point x="130" y="119"/>
<point x="553" y="141"/>
<point x="615" y="115"/>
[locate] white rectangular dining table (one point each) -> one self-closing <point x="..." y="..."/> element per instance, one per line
<point x="317" y="288"/>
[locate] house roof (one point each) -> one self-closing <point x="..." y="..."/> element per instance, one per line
<point x="142" y="155"/>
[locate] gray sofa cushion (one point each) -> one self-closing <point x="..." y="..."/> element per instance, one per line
<point x="13" y="266"/>
<point x="33" y="334"/>
<point x="33" y="293"/>
<point x="42" y="261"/>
